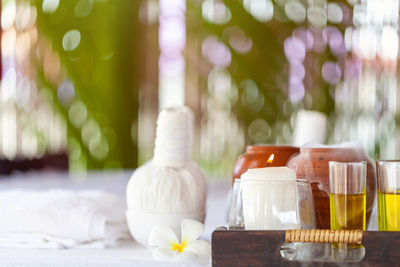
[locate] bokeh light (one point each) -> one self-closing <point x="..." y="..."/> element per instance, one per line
<point x="171" y="66"/>
<point x="335" y="13"/>
<point x="66" y="93"/>
<point x="77" y="113"/>
<point x="295" y="49"/>
<point x="389" y="43"/>
<point x="295" y="11"/>
<point x="9" y="84"/>
<point x="316" y="16"/>
<point x="216" y="52"/>
<point x="90" y="132"/>
<point x="9" y="137"/>
<point x="238" y="40"/>
<point x="83" y="8"/>
<point x="8" y="15"/>
<point x="219" y="83"/>
<point x="216" y="12"/>
<point x="22" y="47"/>
<point x="331" y="72"/>
<point x="50" y="6"/>
<point x="25" y="16"/>
<point x="172" y="35"/>
<point x="172" y="42"/>
<point x="306" y="36"/>
<point x="259" y="131"/>
<point x="360" y="15"/>
<point x="252" y="98"/>
<point x="8" y="42"/>
<point x="262" y="10"/>
<point x="297" y="70"/>
<point x="319" y="44"/>
<point x="149" y="12"/>
<point x="99" y="148"/>
<point x="296" y="90"/>
<point x="71" y="40"/>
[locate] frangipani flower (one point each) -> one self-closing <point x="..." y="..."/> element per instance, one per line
<point x="188" y="250"/>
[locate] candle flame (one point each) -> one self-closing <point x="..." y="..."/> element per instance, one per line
<point x="270" y="160"/>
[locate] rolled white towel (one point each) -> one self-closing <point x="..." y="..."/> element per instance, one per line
<point x="61" y="219"/>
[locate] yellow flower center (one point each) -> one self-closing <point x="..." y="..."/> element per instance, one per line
<point x="179" y="247"/>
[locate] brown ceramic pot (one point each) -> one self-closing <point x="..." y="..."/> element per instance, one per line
<point x="312" y="164"/>
<point x="256" y="156"/>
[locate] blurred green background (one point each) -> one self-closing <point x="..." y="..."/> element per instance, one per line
<point x="83" y="80"/>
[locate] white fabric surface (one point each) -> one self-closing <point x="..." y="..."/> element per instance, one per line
<point x="60" y="218"/>
<point x="129" y="253"/>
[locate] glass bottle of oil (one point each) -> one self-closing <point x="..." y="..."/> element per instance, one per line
<point x="389" y="211"/>
<point x="348" y="211"/>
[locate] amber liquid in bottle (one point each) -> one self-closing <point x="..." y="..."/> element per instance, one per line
<point x="389" y="211"/>
<point x="348" y="212"/>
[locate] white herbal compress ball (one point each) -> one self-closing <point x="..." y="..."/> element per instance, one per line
<point x="170" y="187"/>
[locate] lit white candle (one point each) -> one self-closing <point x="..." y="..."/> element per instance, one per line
<point x="270" y="173"/>
<point x="270" y="199"/>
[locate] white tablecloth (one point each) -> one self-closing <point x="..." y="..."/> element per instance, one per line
<point x="129" y="253"/>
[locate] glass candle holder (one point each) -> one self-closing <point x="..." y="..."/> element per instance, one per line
<point x="235" y="218"/>
<point x="277" y="205"/>
<point x="388" y="195"/>
<point x="347" y="195"/>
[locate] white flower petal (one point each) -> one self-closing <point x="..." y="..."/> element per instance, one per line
<point x="165" y="254"/>
<point x="203" y="248"/>
<point x="188" y="255"/>
<point x="191" y="230"/>
<point x="162" y="236"/>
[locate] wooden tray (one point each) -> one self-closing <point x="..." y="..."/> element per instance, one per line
<point x="262" y="248"/>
